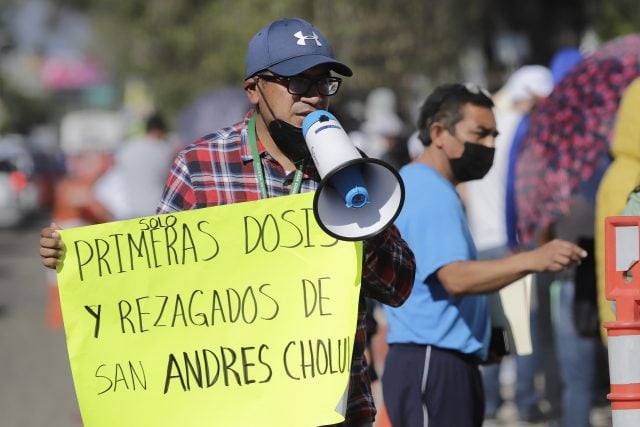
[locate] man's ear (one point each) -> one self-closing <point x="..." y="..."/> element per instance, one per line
<point x="251" y="90"/>
<point x="435" y="131"/>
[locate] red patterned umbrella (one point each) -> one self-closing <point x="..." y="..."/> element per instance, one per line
<point x="566" y="148"/>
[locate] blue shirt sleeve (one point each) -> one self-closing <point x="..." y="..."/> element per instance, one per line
<point x="432" y="222"/>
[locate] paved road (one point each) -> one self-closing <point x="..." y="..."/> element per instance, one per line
<point x="36" y="388"/>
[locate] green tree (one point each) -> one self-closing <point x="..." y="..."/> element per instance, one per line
<point x="613" y="18"/>
<point x="184" y="47"/>
<point x="181" y="48"/>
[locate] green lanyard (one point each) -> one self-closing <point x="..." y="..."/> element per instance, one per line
<point x="257" y="164"/>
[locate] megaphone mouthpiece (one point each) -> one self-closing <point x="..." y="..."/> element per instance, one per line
<point x="357" y="197"/>
<point x="349" y="183"/>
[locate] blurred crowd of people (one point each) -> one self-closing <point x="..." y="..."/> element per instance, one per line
<point x="566" y="375"/>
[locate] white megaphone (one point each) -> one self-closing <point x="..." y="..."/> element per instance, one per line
<point x="357" y="197"/>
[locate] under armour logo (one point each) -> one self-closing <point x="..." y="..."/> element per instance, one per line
<point x="302" y="39"/>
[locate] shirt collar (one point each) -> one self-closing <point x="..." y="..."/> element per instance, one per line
<point x="245" y="146"/>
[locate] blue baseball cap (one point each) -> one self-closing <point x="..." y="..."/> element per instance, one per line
<point x="290" y="46"/>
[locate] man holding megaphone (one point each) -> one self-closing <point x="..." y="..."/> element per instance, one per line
<point x="288" y="77"/>
<point x="441" y="334"/>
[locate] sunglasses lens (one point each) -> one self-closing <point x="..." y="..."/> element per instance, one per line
<point x="299" y="85"/>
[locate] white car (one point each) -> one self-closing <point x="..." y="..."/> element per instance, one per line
<point x="18" y="192"/>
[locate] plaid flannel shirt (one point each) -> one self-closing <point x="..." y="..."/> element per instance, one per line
<point x="217" y="169"/>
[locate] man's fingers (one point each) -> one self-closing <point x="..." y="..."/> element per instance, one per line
<point x="557" y="267"/>
<point x="49" y="242"/>
<point x="576" y="258"/>
<point x="581" y="254"/>
<point x="51" y="247"/>
<point x="50" y="253"/>
<point x="560" y="254"/>
<point x="570" y="250"/>
<point x="48" y="233"/>
<point x="51" y="231"/>
<point x="50" y="262"/>
<point x="575" y="253"/>
<point x="562" y="260"/>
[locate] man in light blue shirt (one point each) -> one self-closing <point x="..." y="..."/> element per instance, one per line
<point x="459" y="323"/>
<point x="441" y="334"/>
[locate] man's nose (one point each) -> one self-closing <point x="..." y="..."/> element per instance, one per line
<point x="489" y="141"/>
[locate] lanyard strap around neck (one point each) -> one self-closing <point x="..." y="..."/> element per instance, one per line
<point x="257" y="164"/>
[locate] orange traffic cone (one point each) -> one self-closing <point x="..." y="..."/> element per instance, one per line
<point x="54" y="311"/>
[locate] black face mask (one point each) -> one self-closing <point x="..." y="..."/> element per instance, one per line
<point x="475" y="162"/>
<point x="289" y="140"/>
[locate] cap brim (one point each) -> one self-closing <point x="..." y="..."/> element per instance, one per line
<point x="293" y="66"/>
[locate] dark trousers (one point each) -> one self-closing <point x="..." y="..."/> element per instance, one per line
<point x="428" y="386"/>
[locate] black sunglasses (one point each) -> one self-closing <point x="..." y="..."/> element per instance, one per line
<point x="299" y="85"/>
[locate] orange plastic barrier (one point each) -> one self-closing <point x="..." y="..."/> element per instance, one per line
<point x="622" y="275"/>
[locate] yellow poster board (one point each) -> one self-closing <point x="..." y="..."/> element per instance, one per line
<point x="237" y="315"/>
